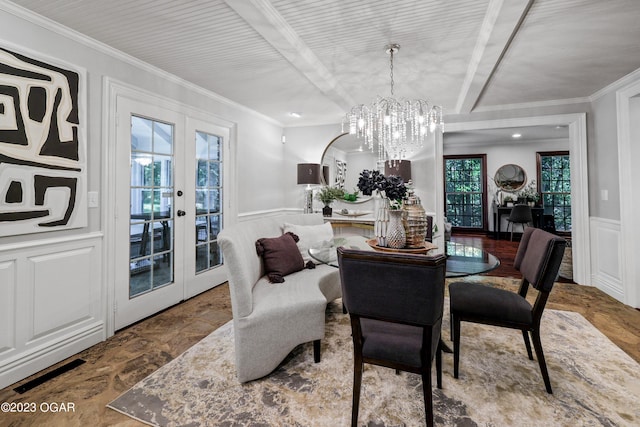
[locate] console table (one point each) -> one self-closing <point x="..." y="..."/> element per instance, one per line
<point x="537" y="214"/>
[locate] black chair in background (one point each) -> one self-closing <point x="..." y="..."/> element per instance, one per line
<point x="548" y="223"/>
<point x="395" y="302"/>
<point x="520" y="214"/>
<point x="538" y="260"/>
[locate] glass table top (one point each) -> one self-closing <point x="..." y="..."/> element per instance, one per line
<point x="462" y="260"/>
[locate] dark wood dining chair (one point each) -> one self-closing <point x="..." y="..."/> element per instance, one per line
<point x="395" y="303"/>
<point x="538" y="260"/>
<point x="520" y="214"/>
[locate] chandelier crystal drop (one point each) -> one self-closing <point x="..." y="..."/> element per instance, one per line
<point x="397" y="127"/>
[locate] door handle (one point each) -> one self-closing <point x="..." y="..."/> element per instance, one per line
<point x="181" y="213"/>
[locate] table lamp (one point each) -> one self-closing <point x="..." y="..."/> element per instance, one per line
<point x="308" y="173"/>
<point x="401" y="169"/>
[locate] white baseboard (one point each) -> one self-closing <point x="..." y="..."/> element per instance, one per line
<point x="28" y="363"/>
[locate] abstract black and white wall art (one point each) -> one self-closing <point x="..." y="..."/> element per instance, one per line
<point x="42" y="148"/>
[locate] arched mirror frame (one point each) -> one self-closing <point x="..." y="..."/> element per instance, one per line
<point x="324" y="153"/>
<point x="510" y="177"/>
<point x="323" y="164"/>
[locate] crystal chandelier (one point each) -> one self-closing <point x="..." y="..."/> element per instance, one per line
<point x="397" y="127"/>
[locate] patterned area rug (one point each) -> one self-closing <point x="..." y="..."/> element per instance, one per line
<point x="594" y="383"/>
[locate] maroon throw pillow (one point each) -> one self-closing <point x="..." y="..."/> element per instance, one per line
<point x="280" y="256"/>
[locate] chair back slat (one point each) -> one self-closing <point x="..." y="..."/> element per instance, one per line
<point x="521" y="213"/>
<point x="396" y="287"/>
<point x="539" y="257"/>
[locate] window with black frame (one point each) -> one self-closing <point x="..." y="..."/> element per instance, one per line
<point x="465" y="184"/>
<point x="554" y="185"/>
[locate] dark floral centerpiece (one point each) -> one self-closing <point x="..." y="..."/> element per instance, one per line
<point x="391" y="187"/>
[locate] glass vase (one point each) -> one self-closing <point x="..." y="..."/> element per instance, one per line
<point x="396" y="237"/>
<point x="415" y="222"/>
<point x="381" y="221"/>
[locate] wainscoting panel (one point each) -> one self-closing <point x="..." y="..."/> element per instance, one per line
<point x="7" y="305"/>
<point x="74" y="294"/>
<point x="606" y="265"/>
<point x="51" y="303"/>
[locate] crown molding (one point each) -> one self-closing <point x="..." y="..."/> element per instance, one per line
<point x="536" y="104"/>
<point x="630" y="78"/>
<point x="50" y="25"/>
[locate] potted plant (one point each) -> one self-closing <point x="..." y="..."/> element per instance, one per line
<point x="530" y="193"/>
<point x="328" y="195"/>
<point x="351" y="197"/>
<point x="508" y="201"/>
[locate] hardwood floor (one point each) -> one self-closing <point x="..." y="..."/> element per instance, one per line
<point x="504" y="249"/>
<point x="133" y="353"/>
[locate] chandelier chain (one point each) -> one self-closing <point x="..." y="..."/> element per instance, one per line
<point x="391" y="71"/>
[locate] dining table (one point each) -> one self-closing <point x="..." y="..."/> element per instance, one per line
<point x="462" y="259"/>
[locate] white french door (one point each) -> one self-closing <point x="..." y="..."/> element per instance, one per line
<point x="208" y="181"/>
<point x="169" y="191"/>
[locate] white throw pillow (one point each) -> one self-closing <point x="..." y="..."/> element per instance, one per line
<point x="309" y="235"/>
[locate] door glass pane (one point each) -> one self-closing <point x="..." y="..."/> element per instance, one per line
<point x="214" y="200"/>
<point x="201" y="173"/>
<point x="214" y="173"/>
<point x="162" y="138"/>
<point x="141" y="135"/>
<point x="151" y="229"/>
<point x="162" y="173"/>
<point x="208" y="200"/>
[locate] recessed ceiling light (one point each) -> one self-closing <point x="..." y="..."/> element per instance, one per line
<point x="516" y="135"/>
<point x="296" y="115"/>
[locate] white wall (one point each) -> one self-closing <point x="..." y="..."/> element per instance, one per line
<point x="58" y="311"/>
<point x="603" y="158"/>
<point x="304" y="144"/>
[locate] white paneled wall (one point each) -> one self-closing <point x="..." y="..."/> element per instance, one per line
<point x="606" y="265"/>
<point x="50" y="303"/>
<point x="7" y="305"/>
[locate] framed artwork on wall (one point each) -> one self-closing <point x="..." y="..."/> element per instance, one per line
<point x="341" y="173"/>
<point x="43" y="167"/>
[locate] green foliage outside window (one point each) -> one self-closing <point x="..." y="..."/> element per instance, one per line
<point x="463" y="192"/>
<point x="555" y="186"/>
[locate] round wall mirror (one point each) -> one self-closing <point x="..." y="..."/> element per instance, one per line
<point x="510" y="177"/>
<point x="342" y="161"/>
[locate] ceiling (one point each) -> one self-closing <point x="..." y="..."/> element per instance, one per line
<point x="320" y="57"/>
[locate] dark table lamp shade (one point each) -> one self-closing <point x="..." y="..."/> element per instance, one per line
<point x="401" y="169"/>
<point x="308" y="173"/>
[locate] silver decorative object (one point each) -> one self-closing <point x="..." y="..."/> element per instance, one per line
<point x="396" y="238"/>
<point x="381" y="222"/>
